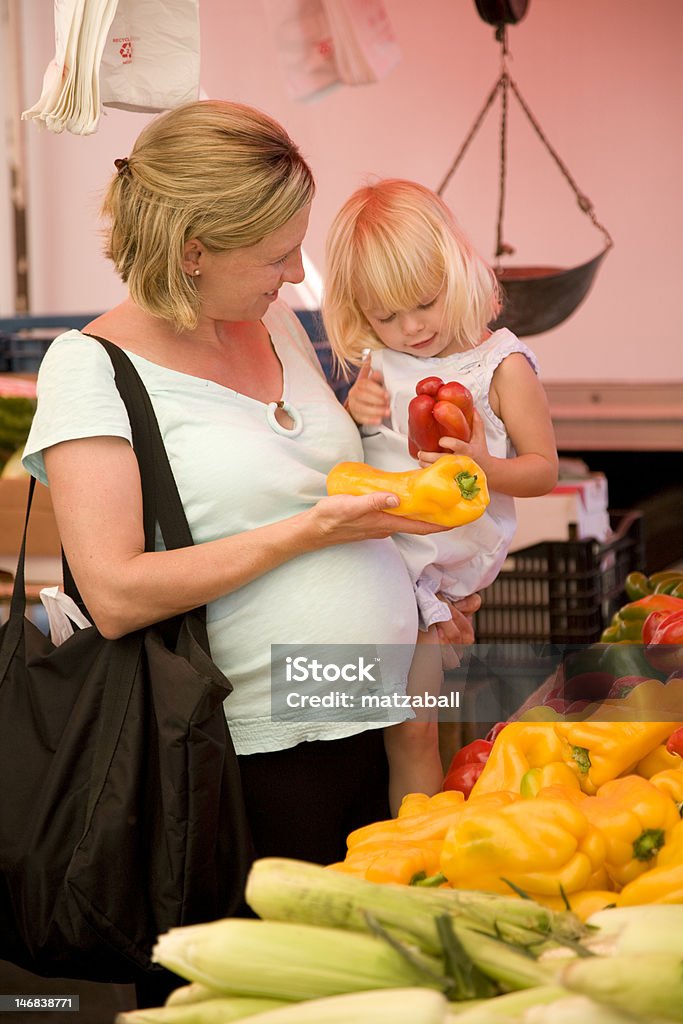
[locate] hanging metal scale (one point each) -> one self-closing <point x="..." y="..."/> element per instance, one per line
<point x="536" y="298"/>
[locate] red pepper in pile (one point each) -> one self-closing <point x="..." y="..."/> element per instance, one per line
<point x="467" y="765"/>
<point x="663" y="637"/>
<point x="675" y="742"/>
<point x="438" y="410"/>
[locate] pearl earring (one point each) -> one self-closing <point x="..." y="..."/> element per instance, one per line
<point x="196" y="272"/>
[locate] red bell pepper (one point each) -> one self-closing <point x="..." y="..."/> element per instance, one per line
<point x="438" y="410"/>
<point x="494" y="730"/>
<point x="464" y="777"/>
<point x="674" y="744"/>
<point x="663" y="630"/>
<point x="467" y="765"/>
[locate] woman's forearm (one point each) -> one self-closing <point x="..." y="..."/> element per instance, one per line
<point x="95" y="488"/>
<point x="152" y="586"/>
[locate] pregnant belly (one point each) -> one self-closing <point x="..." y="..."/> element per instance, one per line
<point x="352" y="594"/>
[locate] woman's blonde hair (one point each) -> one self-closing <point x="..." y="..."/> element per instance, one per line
<point x="395" y="244"/>
<point x="220" y="172"/>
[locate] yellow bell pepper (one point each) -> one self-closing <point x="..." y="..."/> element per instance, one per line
<point x="543" y="846"/>
<point x="397" y="862"/>
<point x="557" y="773"/>
<point x="414" y="804"/>
<point x="664" y="883"/>
<point x="584" y="904"/>
<point x="636" y="820"/>
<point x="672" y="854"/>
<point x="517" y="748"/>
<point x="599" y="751"/>
<point x="449" y="492"/>
<point x="658" y="760"/>
<point x="670" y="782"/>
<point x="660" y="885"/>
<point x="419" y="818"/>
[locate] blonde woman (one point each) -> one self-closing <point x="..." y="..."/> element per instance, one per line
<point x="403" y="280"/>
<point x="206" y="218"/>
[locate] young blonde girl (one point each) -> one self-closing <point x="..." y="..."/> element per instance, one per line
<point x="403" y="281"/>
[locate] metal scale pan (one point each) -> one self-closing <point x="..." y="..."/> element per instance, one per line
<point x="536" y="299"/>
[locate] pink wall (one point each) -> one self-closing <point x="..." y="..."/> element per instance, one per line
<point x="604" y="78"/>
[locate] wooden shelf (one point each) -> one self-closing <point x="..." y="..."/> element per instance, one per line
<point x="609" y="416"/>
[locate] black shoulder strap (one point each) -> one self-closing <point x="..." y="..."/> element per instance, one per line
<point x="160" y="495"/>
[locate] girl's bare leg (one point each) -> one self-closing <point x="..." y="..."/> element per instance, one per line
<point x="413" y="747"/>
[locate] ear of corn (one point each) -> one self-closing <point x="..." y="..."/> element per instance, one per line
<point x="509" y="1007"/>
<point x="576" y="1010"/>
<point x="389" y="1006"/>
<point x="509" y="967"/>
<point x="221" y="1010"/>
<point x="640" y="984"/>
<point x="652" y="928"/>
<point x="287" y="890"/>
<point x="192" y="993"/>
<point x="289" y="961"/>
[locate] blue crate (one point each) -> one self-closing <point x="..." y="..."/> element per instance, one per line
<point x="24" y="341"/>
<point x="313" y="325"/>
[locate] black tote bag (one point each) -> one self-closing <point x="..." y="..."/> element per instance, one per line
<point x="121" y="810"/>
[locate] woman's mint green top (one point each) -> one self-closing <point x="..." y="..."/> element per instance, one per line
<point x="237" y="469"/>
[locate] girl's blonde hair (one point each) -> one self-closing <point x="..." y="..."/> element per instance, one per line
<point x="220" y="172"/>
<point x="394" y="245"/>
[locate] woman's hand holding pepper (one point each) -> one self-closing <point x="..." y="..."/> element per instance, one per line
<point x="368" y="399"/>
<point x="344" y="518"/>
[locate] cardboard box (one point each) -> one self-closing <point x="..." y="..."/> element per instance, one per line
<point x="43" y="538"/>
<point x="574" y="510"/>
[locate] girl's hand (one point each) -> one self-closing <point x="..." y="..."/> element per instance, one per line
<point x="368" y="399"/>
<point x="459" y="630"/>
<point x="344" y="518"/>
<point x="457" y="633"/>
<point x="476" y="447"/>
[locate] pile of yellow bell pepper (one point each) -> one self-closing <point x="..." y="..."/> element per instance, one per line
<point x="584" y="812"/>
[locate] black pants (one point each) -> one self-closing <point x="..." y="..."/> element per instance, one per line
<point x="304" y="801"/>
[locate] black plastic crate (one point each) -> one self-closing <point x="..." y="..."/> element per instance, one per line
<point x="562" y="592"/>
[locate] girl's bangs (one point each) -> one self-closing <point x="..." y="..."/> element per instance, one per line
<point x="397" y="281"/>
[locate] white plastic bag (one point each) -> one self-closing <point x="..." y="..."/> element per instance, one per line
<point x="322" y="44"/>
<point x="304" y="46"/>
<point x="365" y="47"/>
<point x="151" y="57"/>
<point x="62" y="614"/>
<point x="70" y="98"/>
